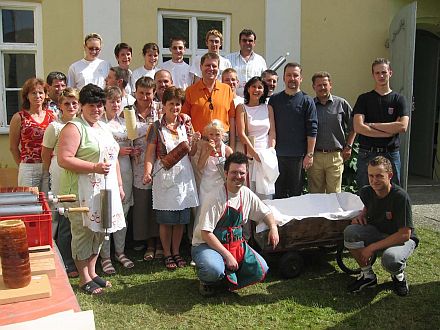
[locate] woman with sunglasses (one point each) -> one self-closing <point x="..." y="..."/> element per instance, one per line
<point x="68" y="103"/>
<point x="90" y="69"/>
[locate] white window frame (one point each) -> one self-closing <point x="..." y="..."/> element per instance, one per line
<point x="17" y="48"/>
<point x="191" y="48"/>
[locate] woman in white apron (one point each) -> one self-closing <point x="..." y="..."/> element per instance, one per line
<point x="174" y="190"/>
<point x="89" y="155"/>
<point x="116" y="124"/>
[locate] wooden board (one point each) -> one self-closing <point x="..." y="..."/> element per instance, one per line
<point x="44" y="264"/>
<point x="37" y="289"/>
<point x="41" y="252"/>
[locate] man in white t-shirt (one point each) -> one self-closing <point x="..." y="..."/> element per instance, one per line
<point x="214" y="41"/>
<point x="222" y="256"/>
<point x="246" y="62"/>
<point x="178" y="68"/>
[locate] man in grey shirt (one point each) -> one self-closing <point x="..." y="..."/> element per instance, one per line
<point x="334" y="140"/>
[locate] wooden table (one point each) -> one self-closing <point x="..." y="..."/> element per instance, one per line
<point x="62" y="299"/>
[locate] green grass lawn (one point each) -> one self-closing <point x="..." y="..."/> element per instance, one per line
<point x="150" y="297"/>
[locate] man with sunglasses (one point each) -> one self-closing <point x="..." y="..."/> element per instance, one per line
<point x="209" y="99"/>
<point x="246" y="62"/>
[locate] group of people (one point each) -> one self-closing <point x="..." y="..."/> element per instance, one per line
<point x="231" y="142"/>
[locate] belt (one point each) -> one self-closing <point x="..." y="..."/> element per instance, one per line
<point x="378" y="149"/>
<point x="328" y="150"/>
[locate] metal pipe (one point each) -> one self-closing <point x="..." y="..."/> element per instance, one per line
<point x="8" y="210"/>
<point x="18" y="199"/>
<point x="278" y="62"/>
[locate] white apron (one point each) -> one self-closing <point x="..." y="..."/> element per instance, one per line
<point x="174" y="190"/>
<point x="89" y="185"/>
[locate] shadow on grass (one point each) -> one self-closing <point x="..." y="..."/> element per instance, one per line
<point x="420" y="308"/>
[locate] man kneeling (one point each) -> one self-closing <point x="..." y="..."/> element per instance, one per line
<point x="224" y="259"/>
<point x="385" y="224"/>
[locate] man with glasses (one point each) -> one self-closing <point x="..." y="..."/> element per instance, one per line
<point x="214" y="41"/>
<point x="246" y="62"/>
<point x="210" y="99"/>
<point x="224" y="259"/>
<point x="56" y="83"/>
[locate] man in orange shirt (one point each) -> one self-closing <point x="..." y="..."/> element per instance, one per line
<point x="209" y="99"/>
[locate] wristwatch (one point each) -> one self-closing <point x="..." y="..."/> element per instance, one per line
<point x="310" y="155"/>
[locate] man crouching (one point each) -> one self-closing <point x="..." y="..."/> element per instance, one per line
<point x="385" y="225"/>
<point x="224" y="259"/>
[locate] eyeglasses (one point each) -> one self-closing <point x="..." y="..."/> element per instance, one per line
<point x="211" y="106"/>
<point x="94" y="49"/>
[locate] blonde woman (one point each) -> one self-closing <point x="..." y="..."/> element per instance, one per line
<point x="69" y="106"/>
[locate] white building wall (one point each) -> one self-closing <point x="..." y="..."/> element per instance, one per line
<point x="103" y="17"/>
<point x="283" y="32"/>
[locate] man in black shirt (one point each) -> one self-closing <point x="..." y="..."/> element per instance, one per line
<point x="379" y="116"/>
<point x="385" y="225"/>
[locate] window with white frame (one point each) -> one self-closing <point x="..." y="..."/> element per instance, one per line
<point x="192" y="27"/>
<point x="20" y="56"/>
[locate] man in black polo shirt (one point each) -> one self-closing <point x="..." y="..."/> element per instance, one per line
<point x="334" y="140"/>
<point x="385" y="224"/>
<point x="379" y="116"/>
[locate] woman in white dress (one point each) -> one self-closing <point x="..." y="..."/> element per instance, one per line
<point x="255" y="125"/>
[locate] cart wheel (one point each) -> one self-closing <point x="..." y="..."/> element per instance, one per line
<point x="291" y="265"/>
<point x="346" y="261"/>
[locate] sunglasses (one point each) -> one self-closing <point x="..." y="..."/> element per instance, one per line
<point x="211" y="106"/>
<point x="96" y="49"/>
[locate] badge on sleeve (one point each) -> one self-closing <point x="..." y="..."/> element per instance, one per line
<point x="389" y="215"/>
<point x="390" y="111"/>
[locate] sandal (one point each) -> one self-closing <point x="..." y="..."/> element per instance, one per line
<point x="107" y="266"/>
<point x="180" y="262"/>
<point x="125" y="262"/>
<point x="149" y="254"/>
<point x="72" y="274"/>
<point x="92" y="288"/>
<point x="159" y="253"/>
<point x="101" y="282"/>
<point x="170" y="264"/>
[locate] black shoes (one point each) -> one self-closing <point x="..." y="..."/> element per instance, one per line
<point x="362" y="283"/>
<point x="400" y="287"/>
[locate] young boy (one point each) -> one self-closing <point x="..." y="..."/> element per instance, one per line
<point x="178" y="68"/>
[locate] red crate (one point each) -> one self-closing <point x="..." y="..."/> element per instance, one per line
<point x="38" y="226"/>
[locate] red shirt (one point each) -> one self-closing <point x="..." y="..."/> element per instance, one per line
<point x="31" y="136"/>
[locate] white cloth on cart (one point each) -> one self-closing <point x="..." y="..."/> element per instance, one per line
<point x="335" y="206"/>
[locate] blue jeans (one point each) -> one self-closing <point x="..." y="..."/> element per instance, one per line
<point x="362" y="165"/>
<point x="393" y="258"/>
<point x="210" y="264"/>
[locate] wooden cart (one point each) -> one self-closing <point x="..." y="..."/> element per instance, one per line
<point x="307" y="233"/>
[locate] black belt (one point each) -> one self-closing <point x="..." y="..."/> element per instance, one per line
<point x="378" y="149"/>
<point x="328" y="150"/>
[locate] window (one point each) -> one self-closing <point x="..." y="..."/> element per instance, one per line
<point x="192" y="27"/>
<point x="20" y="54"/>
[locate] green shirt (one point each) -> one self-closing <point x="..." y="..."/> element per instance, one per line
<point x="88" y="150"/>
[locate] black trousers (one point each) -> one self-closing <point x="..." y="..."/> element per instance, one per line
<point x="291" y="180"/>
